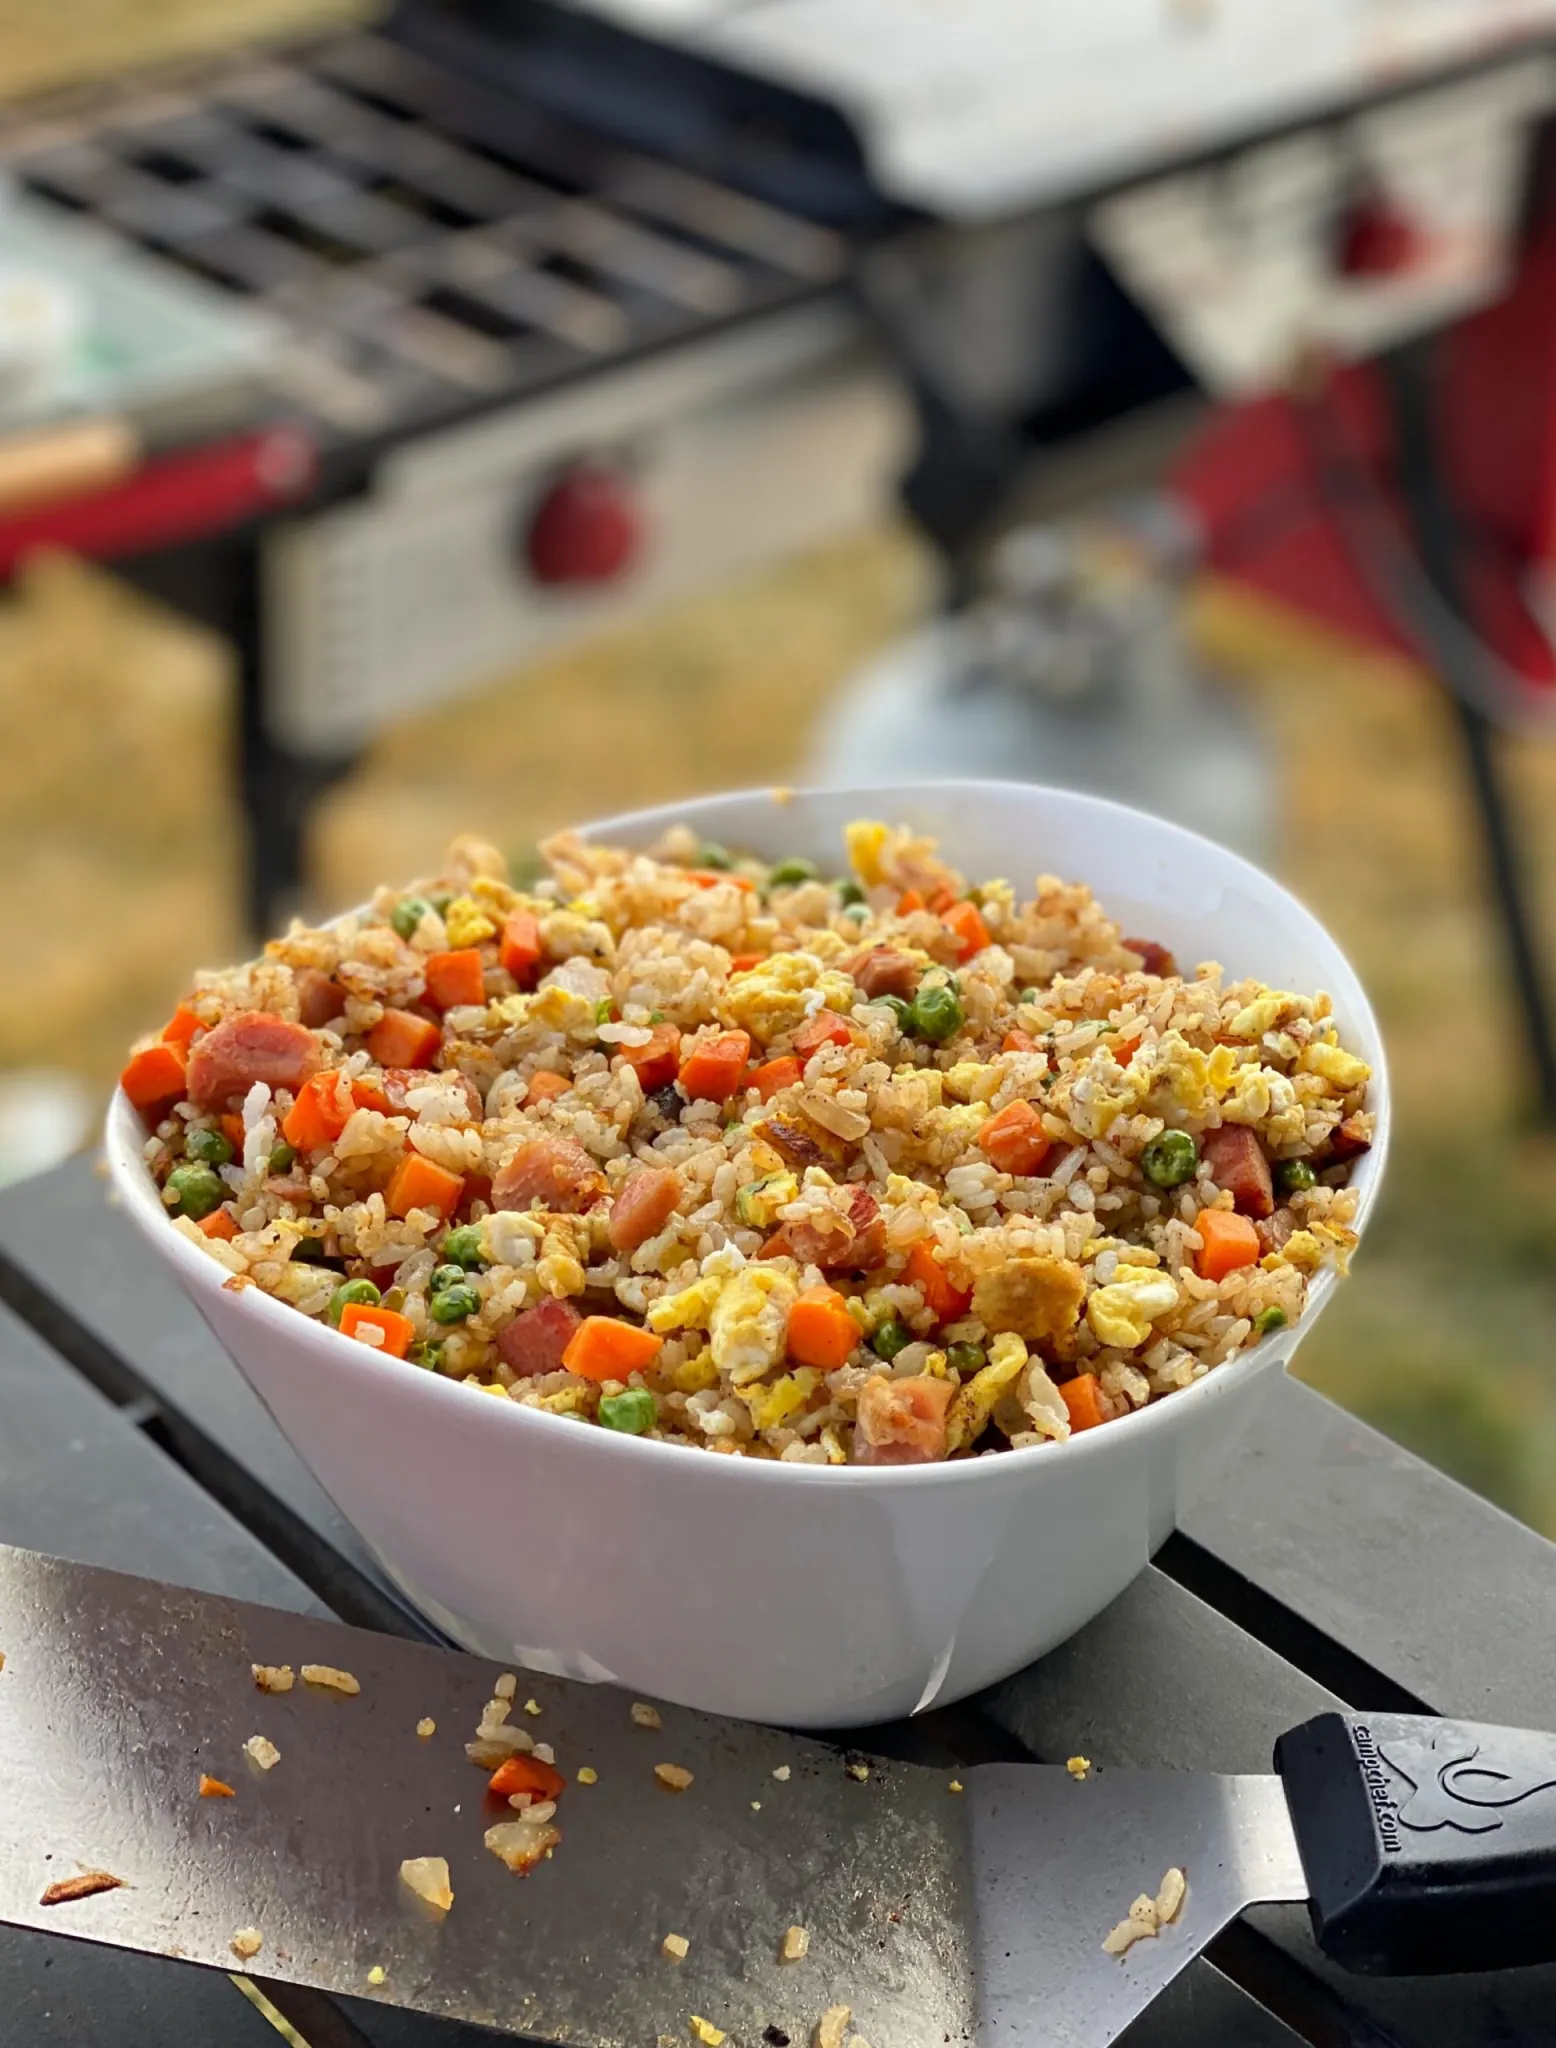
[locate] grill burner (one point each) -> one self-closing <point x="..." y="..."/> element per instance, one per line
<point x="431" y="245"/>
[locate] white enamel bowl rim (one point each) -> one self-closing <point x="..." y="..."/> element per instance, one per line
<point x="202" y="1274"/>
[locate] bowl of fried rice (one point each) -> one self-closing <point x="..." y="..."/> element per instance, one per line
<point x="793" y="1254"/>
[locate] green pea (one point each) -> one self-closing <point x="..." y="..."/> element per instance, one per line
<point x="1030" y="995"/>
<point x="210" y="1147"/>
<point x="937" y="1013"/>
<point x="309" y="1250"/>
<point x="455" y="1303"/>
<point x="347" y="1292"/>
<point x="445" y="1276"/>
<point x="464" y="1247"/>
<point x="408" y="913"/>
<point x="633" y="1412"/>
<point x="857" y="911"/>
<point x="966" y="1359"/>
<point x="425" y="1353"/>
<point x="903" y="1012"/>
<point x="1170" y="1160"/>
<point x="711" y="855"/>
<point x="890" y="1338"/>
<point x="1295" y="1174"/>
<point x="1269" y="1319"/>
<point x="199" y="1190"/>
<point x="282" y="1156"/>
<point x="602" y="1010"/>
<point x="849" y="893"/>
<point x="786" y="874"/>
<point x="656" y="1016"/>
<point x="440" y="899"/>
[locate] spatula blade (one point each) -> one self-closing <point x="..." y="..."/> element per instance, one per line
<point x="935" y="1915"/>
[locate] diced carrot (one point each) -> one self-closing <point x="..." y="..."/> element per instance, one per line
<point x="526" y="1774"/>
<point x="942" y="1297"/>
<point x="940" y="900"/>
<point x="656" y="1062"/>
<point x="1081" y="1397"/>
<point x="220" y="1223"/>
<point x="214" y="1788"/>
<point x="154" y="1077"/>
<point x="181" y="1027"/>
<point x="1018" y="1041"/>
<point x="367" y="1093"/>
<point x="605" y="1348"/>
<point x="545" y="1087"/>
<point x="714" y="1070"/>
<point x="454" y="978"/>
<point x="965" y="923"/>
<point x="821" y="1331"/>
<point x="1228" y="1242"/>
<point x="910" y="899"/>
<point x="744" y="962"/>
<point x="397" y="1330"/>
<point x="419" y="1183"/>
<point x="709" y="878"/>
<point x="825" y="1028"/>
<point x="1126" y="1049"/>
<point x="401" y="1039"/>
<point x="775" y="1074"/>
<point x="233" y="1131"/>
<point x="1015" y="1140"/>
<point x="519" y="949"/>
<point x="320" y="1113"/>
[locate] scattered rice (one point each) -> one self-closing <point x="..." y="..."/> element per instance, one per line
<point x="426" y="1726"/>
<point x="588" y="1775"/>
<point x="247" y="1943"/>
<point x="832" y="2026"/>
<point x="1147" y="1916"/>
<point x="427" y="1877"/>
<point x="783" y="1774"/>
<point x="796" y="1945"/>
<point x="673" y="1777"/>
<point x="675" y="1946"/>
<point x="645" y="1716"/>
<point x="274" y="1677"/>
<point x="506" y="1686"/>
<point x="261" y="1750"/>
<point x="331" y="1680"/>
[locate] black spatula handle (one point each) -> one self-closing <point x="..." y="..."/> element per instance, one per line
<point x="1428" y="1846"/>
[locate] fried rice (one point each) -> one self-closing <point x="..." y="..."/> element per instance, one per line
<point x="886" y="1168"/>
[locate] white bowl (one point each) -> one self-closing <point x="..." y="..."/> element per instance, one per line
<point x="789" y="1593"/>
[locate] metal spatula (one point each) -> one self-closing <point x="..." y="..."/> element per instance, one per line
<point x="933" y="1913"/>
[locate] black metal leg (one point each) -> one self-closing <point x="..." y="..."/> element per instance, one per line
<point x="1408" y="374"/>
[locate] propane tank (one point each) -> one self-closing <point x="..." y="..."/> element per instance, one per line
<point x="1072" y="668"/>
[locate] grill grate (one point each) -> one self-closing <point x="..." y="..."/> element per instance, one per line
<point x="428" y="243"/>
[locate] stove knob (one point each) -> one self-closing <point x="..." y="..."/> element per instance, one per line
<point x="1377" y="239"/>
<point x="586" y="529"/>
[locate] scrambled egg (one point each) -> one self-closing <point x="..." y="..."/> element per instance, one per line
<point x="696" y="1374"/>
<point x="1274" y="1007"/>
<point x="1033" y="1296"/>
<point x="749" y="1323"/>
<point x="866" y="843"/>
<point x="771" y="1406"/>
<point x="974" y="1403"/>
<point x="758" y="1202"/>
<point x="972" y="1081"/>
<point x="466" y="923"/>
<point x="1121" y="1313"/>
<point x="571" y="934"/>
<point x="690" y="1309"/>
<point x="494" y="897"/>
<point x="774" y="997"/>
<point x="1342" y="1070"/>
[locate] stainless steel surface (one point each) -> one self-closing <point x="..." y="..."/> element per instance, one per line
<point x="934" y="1916"/>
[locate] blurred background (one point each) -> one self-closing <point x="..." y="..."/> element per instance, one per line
<point x="492" y="413"/>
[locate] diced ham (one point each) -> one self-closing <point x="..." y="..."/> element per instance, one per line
<point x="1349" y="1140"/>
<point x="883" y="971"/>
<point x="1154" y="959"/>
<point x="852" y="1245"/>
<point x="902" y="1422"/>
<point x="644" y="1206"/>
<point x="397" y="1083"/>
<point x="1237" y="1163"/>
<point x="534" y="1341"/>
<point x="252" y="1046"/>
<point x="320" y="997"/>
<point x="554" y="1172"/>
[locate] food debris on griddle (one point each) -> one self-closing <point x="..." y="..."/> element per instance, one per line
<point x="673" y="1777"/>
<point x="796" y="1945"/>
<point x="426" y="1726"/>
<point x="83" y="1887"/>
<point x="330" y="1680"/>
<point x="675" y="1946"/>
<point x="215" y="1788"/>
<point x="832" y="2026"/>
<point x="645" y="1716"/>
<point x="259" y="1749"/>
<point x="427" y="1877"/>
<point x="247" y="1943"/>
<point x="274" y="1677"/>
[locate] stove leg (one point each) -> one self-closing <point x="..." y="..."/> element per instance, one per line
<point x="1407" y="374"/>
